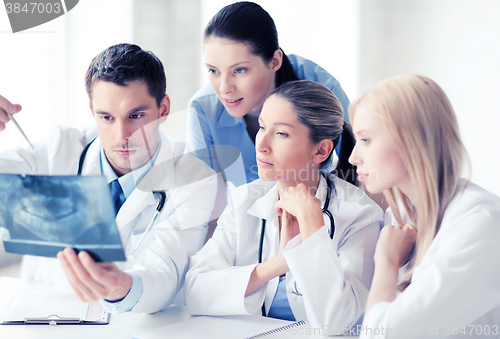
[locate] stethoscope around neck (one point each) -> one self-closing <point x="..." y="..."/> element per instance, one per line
<point x="329" y="187"/>
<point x="159" y="206"/>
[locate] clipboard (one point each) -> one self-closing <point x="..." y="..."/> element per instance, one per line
<point x="43" y="307"/>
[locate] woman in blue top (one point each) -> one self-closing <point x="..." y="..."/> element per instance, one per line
<point x="245" y="64"/>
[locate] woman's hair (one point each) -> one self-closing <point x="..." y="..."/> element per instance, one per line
<point x="420" y="118"/>
<point x="248" y="23"/>
<point x="321" y="112"/>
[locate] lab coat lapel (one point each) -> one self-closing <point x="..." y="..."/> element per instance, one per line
<point x="322" y="190"/>
<point x="137" y="202"/>
<point x="161" y="176"/>
<point x="263" y="207"/>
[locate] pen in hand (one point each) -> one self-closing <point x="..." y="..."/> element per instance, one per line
<point x="18" y="127"/>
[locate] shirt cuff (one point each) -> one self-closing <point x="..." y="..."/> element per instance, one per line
<point x="130" y="300"/>
<point x="253" y="302"/>
<point x="316" y="237"/>
<point x="294" y="242"/>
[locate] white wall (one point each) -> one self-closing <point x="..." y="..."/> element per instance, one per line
<point x="454" y="42"/>
<point x="172" y="30"/>
<point x="43" y="68"/>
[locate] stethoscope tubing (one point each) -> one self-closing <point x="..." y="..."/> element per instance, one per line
<point x="159" y="208"/>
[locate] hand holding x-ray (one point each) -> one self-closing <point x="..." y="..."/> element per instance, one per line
<point x="92" y="281"/>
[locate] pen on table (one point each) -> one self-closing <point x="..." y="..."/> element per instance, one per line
<point x="18" y="127"/>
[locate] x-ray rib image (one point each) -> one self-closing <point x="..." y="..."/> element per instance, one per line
<point x="41" y="215"/>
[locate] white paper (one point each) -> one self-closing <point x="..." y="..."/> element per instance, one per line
<point x="42" y="304"/>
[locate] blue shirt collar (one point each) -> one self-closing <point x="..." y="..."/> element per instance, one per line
<point x="127" y="181"/>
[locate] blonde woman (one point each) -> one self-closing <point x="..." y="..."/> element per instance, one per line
<point x="443" y="228"/>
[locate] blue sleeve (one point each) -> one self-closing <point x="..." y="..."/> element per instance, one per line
<point x="308" y="70"/>
<point x="199" y="136"/>
<point x="130" y="300"/>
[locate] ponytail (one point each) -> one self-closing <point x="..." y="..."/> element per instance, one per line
<point x="344" y="169"/>
<point x="286" y="72"/>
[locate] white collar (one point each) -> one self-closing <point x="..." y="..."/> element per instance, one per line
<point x="263" y="207"/>
<point x="127" y="181"/>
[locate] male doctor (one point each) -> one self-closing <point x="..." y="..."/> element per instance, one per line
<point x="126" y="87"/>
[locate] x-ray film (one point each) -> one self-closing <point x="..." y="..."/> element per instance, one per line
<point x="41" y="215"/>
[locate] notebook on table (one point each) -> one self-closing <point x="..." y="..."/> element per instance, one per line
<point x="241" y="326"/>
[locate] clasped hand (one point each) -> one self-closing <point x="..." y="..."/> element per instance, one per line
<point x="300" y="213"/>
<point x="395" y="245"/>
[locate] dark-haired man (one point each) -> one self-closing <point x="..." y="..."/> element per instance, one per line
<point x="126" y="87"/>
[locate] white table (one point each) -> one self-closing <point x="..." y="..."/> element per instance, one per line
<point x="120" y="326"/>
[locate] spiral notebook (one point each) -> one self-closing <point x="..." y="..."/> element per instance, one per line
<point x="291" y="329"/>
<point x="241" y="326"/>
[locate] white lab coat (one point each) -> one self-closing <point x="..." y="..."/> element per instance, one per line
<point x="328" y="280"/>
<point x="162" y="258"/>
<point x="456" y="287"/>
